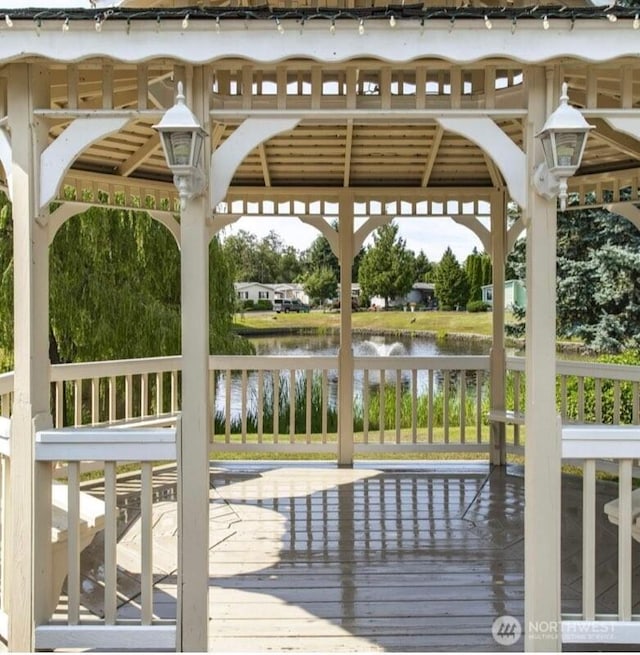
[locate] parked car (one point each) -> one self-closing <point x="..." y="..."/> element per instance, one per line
<point x="285" y="305"/>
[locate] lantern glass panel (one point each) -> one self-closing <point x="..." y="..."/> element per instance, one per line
<point x="180" y="148"/>
<point x="547" y="147"/>
<point x="568" y="148"/>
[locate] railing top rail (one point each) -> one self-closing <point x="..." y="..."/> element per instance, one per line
<point x="272" y="362"/>
<point x="103" y="444"/>
<point x="599" y="370"/>
<point x="437" y="362"/>
<point x="113" y="368"/>
<point x="600" y="441"/>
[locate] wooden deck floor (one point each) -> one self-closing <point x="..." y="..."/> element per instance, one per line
<point x="415" y="557"/>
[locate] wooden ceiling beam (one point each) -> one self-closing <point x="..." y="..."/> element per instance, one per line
<point x="139" y="156"/>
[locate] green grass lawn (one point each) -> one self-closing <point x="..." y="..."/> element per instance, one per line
<point x="439" y="323"/>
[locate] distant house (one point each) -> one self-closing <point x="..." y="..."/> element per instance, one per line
<point x="254" y="291"/>
<point x="260" y="291"/>
<point x="515" y="294"/>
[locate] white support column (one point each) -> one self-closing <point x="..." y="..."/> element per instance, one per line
<point x="345" y="353"/>
<point x="497" y="355"/>
<point x="29" y="521"/>
<point x="193" y="447"/>
<point x="542" y="450"/>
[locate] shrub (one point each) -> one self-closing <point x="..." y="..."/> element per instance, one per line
<point x="264" y="305"/>
<point x="477" y="306"/>
<point x="248" y="304"/>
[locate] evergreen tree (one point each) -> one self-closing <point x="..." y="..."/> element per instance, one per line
<point x="387" y="267"/>
<point x="452" y="286"/>
<point x="475" y="269"/>
<point x="423" y="268"/>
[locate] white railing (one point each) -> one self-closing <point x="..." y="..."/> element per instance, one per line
<point x="590" y="443"/>
<point x="5" y="430"/>
<point x="6" y="393"/>
<point x="83" y="516"/>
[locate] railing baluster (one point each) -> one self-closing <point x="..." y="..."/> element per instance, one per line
<point x="635" y="418"/>
<point x="113" y="412"/>
<point x="516" y="406"/>
<point x="174" y="392"/>
<point x="625" y="521"/>
<point x="260" y="405"/>
<point x="243" y="406"/>
<point x="445" y="406"/>
<point x="365" y="405"/>
<point x="73" y="541"/>
<point x="227" y="406"/>
<point x="381" y="408"/>
<point x="463" y="400"/>
<point x="159" y="393"/>
<point x="589" y="540"/>
<point x="95" y="400"/>
<point x="77" y="402"/>
<point x="430" y="408"/>
<point x="276" y="406"/>
<point x="479" y="382"/>
<point x="5" y="472"/>
<point x="292" y="406"/>
<point x="414" y="405"/>
<point x="616" y="402"/>
<point x="563" y="397"/>
<point x="212" y="403"/>
<point x="398" y="404"/>
<point x="308" y="376"/>
<point x="59" y="404"/>
<point x="325" y="404"/>
<point x="146" y="546"/>
<point x="128" y="396"/>
<point x="144" y="395"/>
<point x="110" y="543"/>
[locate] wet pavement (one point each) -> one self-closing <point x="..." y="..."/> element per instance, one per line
<point x="389" y="557"/>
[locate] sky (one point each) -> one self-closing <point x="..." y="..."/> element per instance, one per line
<point x="431" y="235"/>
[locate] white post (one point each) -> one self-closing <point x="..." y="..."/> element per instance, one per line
<point x="497" y="355"/>
<point x="29" y="520"/>
<point x="193" y="448"/>
<point x="345" y="353"/>
<point x="542" y="450"/>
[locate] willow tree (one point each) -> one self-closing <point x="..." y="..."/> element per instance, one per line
<point x="115" y="289"/>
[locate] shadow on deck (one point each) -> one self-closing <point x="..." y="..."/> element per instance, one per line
<point x="383" y="557"/>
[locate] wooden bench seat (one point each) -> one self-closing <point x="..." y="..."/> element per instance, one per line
<point x="611" y="509"/>
<point x="506" y="416"/>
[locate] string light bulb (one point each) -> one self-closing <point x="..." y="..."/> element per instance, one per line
<point x="332" y="27"/>
<point x="361" y="27"/>
<point x="452" y="23"/>
<point x="65" y="25"/>
<point x="636" y="22"/>
<point x="392" y="21"/>
<point x="8" y="21"/>
<point x="218" y="24"/>
<point x="612" y="18"/>
<point x="279" y="26"/>
<point x="422" y="26"/>
<point x="487" y="22"/>
<point x="128" y="26"/>
<point x="98" y="24"/>
<point x="38" y="26"/>
<point x="545" y="22"/>
<point x="514" y="25"/>
<point x="185" y="22"/>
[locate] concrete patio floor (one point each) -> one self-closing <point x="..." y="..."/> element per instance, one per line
<point x="416" y="556"/>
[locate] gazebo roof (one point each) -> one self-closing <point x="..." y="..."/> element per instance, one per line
<point x="363" y="123"/>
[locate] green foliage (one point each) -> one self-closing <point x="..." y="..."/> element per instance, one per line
<point x="476" y="266"/>
<point x="477" y="306"/>
<point x="451" y="284"/>
<point x="320" y="284"/>
<point x="387" y="266"/>
<point x="114" y="289"/>
<point x="264" y="305"/>
<point x="423" y="268"/>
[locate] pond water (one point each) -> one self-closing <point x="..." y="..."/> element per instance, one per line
<point x="368" y="345"/>
<point x="327" y="345"/>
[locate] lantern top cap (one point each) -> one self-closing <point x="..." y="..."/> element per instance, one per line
<point x="179" y="118"/>
<point x="565" y="118"/>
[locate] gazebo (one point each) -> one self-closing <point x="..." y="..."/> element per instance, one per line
<point x="355" y="111"/>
